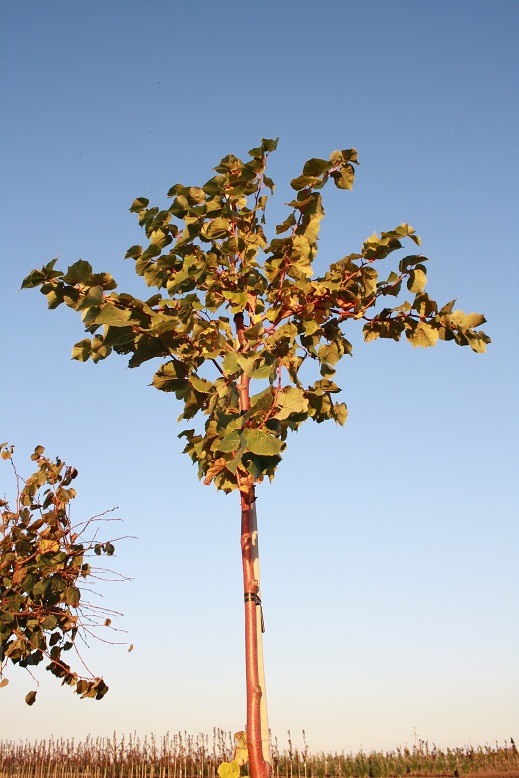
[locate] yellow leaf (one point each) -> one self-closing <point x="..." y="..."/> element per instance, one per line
<point x="48" y="546"/>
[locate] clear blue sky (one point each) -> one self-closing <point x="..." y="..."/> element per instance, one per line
<point x="389" y="547"/>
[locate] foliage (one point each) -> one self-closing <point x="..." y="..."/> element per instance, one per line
<point x="43" y="566"/>
<point x="209" y="259"/>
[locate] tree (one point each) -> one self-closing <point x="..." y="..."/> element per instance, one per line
<point x="43" y="567"/>
<point x="213" y="266"/>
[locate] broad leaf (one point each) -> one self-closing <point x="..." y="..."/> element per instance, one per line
<point x="291" y="400"/>
<point x="423" y="335"/>
<point x="261" y="442"/>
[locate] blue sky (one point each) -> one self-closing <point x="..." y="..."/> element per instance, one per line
<point x="389" y="547"/>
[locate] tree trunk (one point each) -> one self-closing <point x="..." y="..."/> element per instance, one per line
<point x="260" y="627"/>
<point x="258" y="737"/>
<point x="258" y="760"/>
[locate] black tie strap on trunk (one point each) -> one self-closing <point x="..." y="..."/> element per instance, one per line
<point x="253" y="597"/>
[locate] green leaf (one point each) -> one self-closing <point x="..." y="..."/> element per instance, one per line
<point x="262" y="371"/>
<point x="78" y="273"/>
<point x="171" y="377"/>
<point x="424" y="305"/>
<point x="246" y="362"/>
<point x="200" y="384"/>
<point x="40" y="588"/>
<point x="340" y="412"/>
<point x="238" y="299"/>
<point x="197" y="194"/>
<point x="139" y="204"/>
<point x="410" y="261"/>
<point x="267" y="181"/>
<point x="152" y="251"/>
<point x="99" y="349"/>
<point x="72" y="596"/>
<point x="33" y="279"/>
<point x="316" y="167"/>
<point x="304" y="182"/>
<point x="82" y="350"/>
<point x="113" y="316"/>
<point x="269" y="144"/>
<point x="346" y="155"/>
<point x="466" y="320"/>
<point x="49" y="622"/>
<point x="260" y="466"/>
<point x="447" y="308"/>
<point x="325" y="386"/>
<point x="406" y="231"/>
<point x="344" y="178"/>
<point x="230" y="363"/>
<point x="217" y="228"/>
<point x="289" y="222"/>
<point x="391" y="328"/>
<point x="417" y="280"/>
<point x="423" y="335"/>
<point x="261" y="443"/>
<point x="229" y="443"/>
<point x="38" y="277"/>
<point x="478" y="341"/>
<point x="93" y="298"/>
<point x="291" y="400"/>
<point x="134" y="252"/>
<point x="329" y="353"/>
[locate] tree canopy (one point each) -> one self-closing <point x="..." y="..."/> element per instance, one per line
<point x="210" y="261"/>
<point x="45" y="561"/>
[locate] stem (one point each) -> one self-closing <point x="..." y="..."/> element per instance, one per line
<point x="258" y="741"/>
<point x="259" y="767"/>
<point x="260" y="628"/>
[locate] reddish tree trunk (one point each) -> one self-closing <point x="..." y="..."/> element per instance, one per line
<point x="258" y="766"/>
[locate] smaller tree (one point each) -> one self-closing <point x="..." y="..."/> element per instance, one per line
<point x="43" y="566"/>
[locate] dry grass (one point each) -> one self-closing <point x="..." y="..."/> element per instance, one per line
<point x="188" y="756"/>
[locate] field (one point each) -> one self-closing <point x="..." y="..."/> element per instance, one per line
<point x="186" y="756"/>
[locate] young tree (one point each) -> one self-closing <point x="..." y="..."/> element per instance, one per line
<point x="43" y="566"/>
<point x="213" y="267"/>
